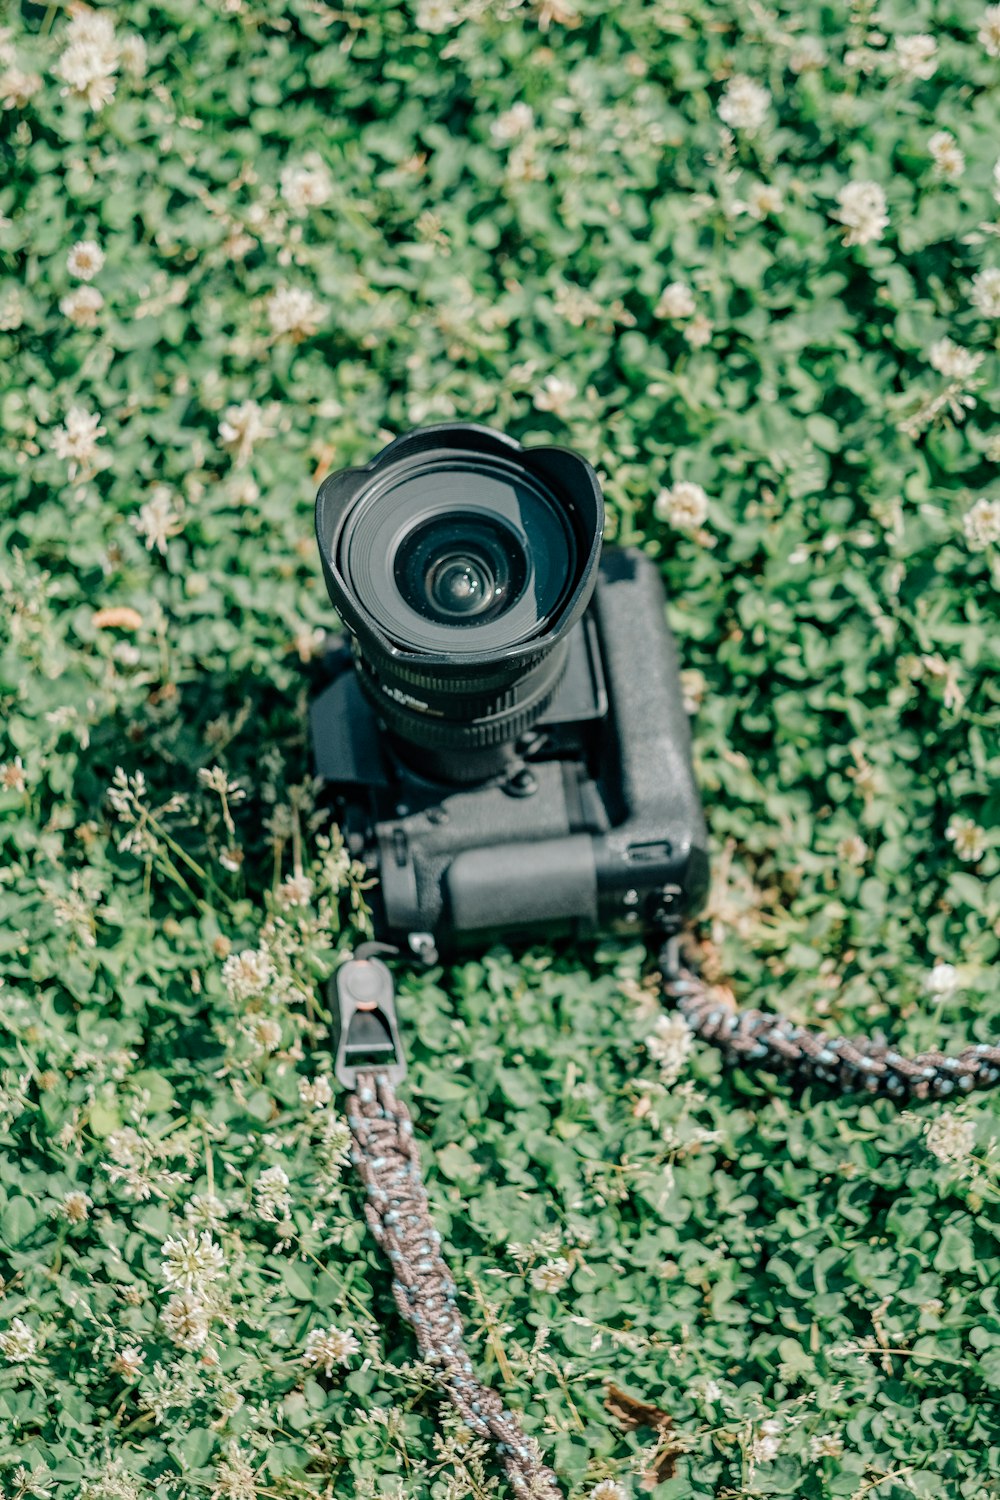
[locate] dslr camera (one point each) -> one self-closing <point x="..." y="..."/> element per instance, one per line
<point x="502" y="726"/>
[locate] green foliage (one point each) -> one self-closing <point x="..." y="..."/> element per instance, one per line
<point x="317" y="226"/>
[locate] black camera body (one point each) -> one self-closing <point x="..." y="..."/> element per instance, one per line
<point x="580" y="814"/>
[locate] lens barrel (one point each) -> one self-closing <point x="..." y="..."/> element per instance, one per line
<point x="459" y="561"/>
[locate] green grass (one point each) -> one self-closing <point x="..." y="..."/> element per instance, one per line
<point x="808" y="1286"/>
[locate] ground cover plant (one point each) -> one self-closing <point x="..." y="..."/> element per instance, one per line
<point x="747" y="260"/>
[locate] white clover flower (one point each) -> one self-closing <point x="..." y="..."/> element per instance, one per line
<point x="808" y="55"/>
<point x="17" y="1343"/>
<point x="694" y="686"/>
<point x="989" y="30"/>
<point x="81" y="306"/>
<point x="113" y="1482"/>
<point x="608" y="1489"/>
<point x="91" y="27"/>
<point x="76" y="1207"/>
<point x="767" y="1443"/>
<point x="986" y="290"/>
<point x="684" y="505"/>
<point x="235" y="1475"/>
<point x="676" y="301"/>
<point x="950" y="1138"/>
<point x="555" y="13"/>
<point x="514" y="122"/>
<point x="698" y="332"/>
<point x="954" y="360"/>
<point x="326" y="1347"/>
<point x="133" y="55"/>
<point x="862" y="211"/>
<point x="552" y="1276"/>
<point x="244" y="425"/>
<point x="853" y="850"/>
<point x="158" y="519"/>
<point x="265" y="1033"/>
<point x="88" y="73"/>
<point x="745" y="104"/>
<point x="78" y="439"/>
<point x="669" y="1045"/>
<point x="436" y="16"/>
<point x="316" y="1093"/>
<point x="90" y="62"/>
<point x="981" y="524"/>
<point x="186" y="1319"/>
<point x="294" y="312"/>
<point x="18" y="88"/>
<point x="968" y="838"/>
<point x="297" y="890"/>
<point x="248" y="973"/>
<point x="942" y="981"/>
<point x="916" y="56"/>
<point x="826" y="1445"/>
<point x="949" y="161"/>
<point x="763" y="199"/>
<point x="243" y="489"/>
<point x="556" y="395"/>
<point x="128" y="1362"/>
<point x="85" y="260"/>
<point x="205" y="1208"/>
<point x="306" y="184"/>
<point x="11" y="311"/>
<point x="12" y="777"/>
<point x="191" y="1261"/>
<point x="271" y="1194"/>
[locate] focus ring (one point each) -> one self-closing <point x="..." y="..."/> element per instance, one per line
<point x="497" y="722"/>
<point x="479" y="685"/>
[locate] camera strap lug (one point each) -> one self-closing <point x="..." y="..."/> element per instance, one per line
<point x="424" y="947"/>
<point x="366" y="1030"/>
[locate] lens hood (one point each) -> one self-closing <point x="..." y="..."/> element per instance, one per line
<point x="529" y="520"/>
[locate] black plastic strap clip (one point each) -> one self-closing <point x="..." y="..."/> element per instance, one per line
<point x="365" y="1027"/>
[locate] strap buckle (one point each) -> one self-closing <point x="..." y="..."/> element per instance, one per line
<point x="365" y="1026"/>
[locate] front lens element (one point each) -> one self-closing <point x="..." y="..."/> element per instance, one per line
<point x="460" y="570"/>
<point x="457" y="553"/>
<point x="460" y="586"/>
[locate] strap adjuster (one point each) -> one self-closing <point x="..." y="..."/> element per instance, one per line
<point x="365" y="1025"/>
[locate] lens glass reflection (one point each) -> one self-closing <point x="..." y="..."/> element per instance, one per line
<point x="460" y="570"/>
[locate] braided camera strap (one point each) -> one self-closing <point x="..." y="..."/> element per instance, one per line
<point x="851" y="1064"/>
<point x="385" y="1155"/>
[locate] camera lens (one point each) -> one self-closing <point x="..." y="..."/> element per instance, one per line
<point x="459" y="562"/>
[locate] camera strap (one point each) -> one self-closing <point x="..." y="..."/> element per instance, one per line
<point x="398" y="1215"/>
<point x="370" y="1063"/>
<point x="852" y="1064"/>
